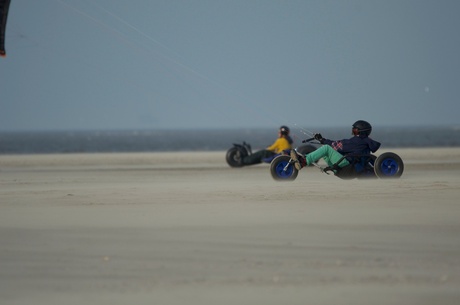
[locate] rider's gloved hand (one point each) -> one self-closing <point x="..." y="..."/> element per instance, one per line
<point x="318" y="137"/>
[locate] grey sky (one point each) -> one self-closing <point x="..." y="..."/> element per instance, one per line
<point x="117" y="64"/>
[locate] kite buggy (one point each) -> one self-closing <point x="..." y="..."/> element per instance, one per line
<point x="386" y="165"/>
<point x="346" y="159"/>
<point x="239" y="151"/>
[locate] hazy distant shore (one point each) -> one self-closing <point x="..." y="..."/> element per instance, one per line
<point x="41" y="142"/>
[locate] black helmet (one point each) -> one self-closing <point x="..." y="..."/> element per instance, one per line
<point x="284" y="130"/>
<point x="361" y="128"/>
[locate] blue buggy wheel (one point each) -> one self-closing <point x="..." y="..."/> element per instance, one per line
<point x="282" y="170"/>
<point x="388" y="165"/>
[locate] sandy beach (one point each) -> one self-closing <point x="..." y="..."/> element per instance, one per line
<point x="184" y="228"/>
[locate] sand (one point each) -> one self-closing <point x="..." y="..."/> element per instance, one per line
<point x="184" y="228"/>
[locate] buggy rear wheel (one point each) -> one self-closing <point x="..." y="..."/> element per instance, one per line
<point x="282" y="170"/>
<point x="234" y="157"/>
<point x="388" y="165"/>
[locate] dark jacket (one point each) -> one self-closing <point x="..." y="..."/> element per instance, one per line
<point x="355" y="145"/>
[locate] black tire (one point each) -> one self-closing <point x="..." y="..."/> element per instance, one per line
<point x="388" y="165"/>
<point x="234" y="156"/>
<point x="281" y="170"/>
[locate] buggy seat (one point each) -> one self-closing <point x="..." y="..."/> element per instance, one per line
<point x="361" y="164"/>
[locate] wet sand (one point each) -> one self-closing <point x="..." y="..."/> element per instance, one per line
<point x="184" y="228"/>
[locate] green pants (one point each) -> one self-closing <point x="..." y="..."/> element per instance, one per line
<point x="329" y="155"/>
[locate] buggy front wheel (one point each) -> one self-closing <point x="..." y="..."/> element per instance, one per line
<point x="388" y="165"/>
<point x="282" y="170"/>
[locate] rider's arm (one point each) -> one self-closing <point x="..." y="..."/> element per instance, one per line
<point x="336" y="145"/>
<point x="279" y="145"/>
<point x="274" y="146"/>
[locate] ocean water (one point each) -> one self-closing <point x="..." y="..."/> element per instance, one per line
<point x="40" y="142"/>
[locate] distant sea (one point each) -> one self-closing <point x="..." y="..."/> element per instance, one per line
<point x="41" y="142"/>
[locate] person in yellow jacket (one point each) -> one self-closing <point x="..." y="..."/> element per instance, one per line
<point x="283" y="142"/>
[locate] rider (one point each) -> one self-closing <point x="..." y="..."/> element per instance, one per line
<point x="333" y="151"/>
<point x="283" y="142"/>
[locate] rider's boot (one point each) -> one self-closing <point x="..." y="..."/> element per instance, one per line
<point x="299" y="161"/>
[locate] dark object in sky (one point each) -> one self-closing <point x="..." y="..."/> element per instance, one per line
<point x="4" y="6"/>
